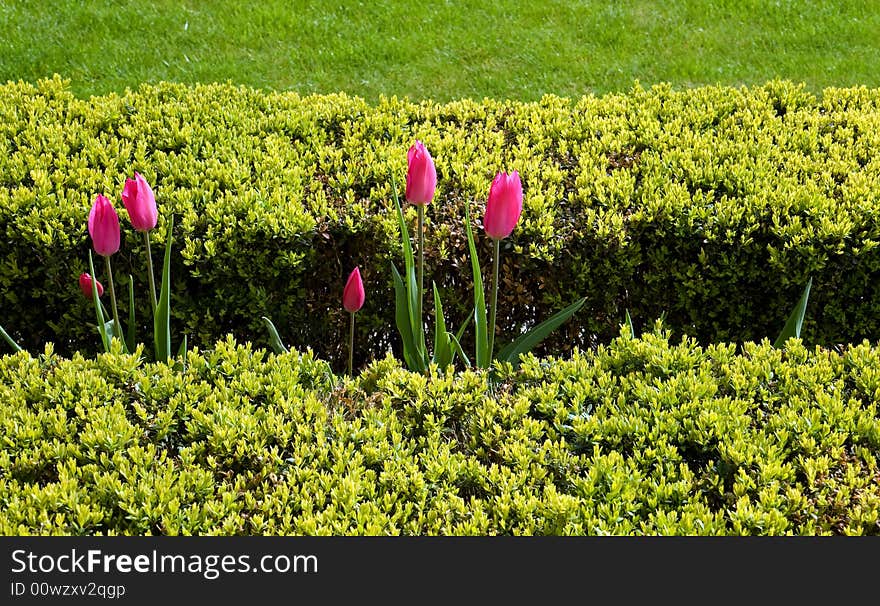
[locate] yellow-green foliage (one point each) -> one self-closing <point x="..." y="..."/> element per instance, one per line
<point x="637" y="437"/>
<point x="713" y="205"/>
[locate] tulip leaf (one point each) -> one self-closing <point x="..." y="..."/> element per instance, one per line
<point x="463" y="327"/>
<point x="274" y="340"/>
<point x="162" y="318"/>
<point x="412" y="289"/>
<point x="9" y="340"/>
<point x="404" y="232"/>
<point x="629" y="325"/>
<point x="402" y="319"/>
<point x="443" y="352"/>
<point x="180" y="365"/>
<point x="418" y="331"/>
<point x="480" y="322"/>
<point x="795" y="321"/>
<point x="130" y="338"/>
<point x="99" y="312"/>
<point x="418" y="355"/>
<point x="455" y="341"/>
<point x="524" y="343"/>
<point x="456" y="349"/>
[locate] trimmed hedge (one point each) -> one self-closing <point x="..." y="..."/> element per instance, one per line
<point x="712" y="204"/>
<point x="637" y="437"/>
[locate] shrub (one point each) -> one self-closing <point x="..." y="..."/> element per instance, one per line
<point x="641" y="436"/>
<point x="712" y="205"/>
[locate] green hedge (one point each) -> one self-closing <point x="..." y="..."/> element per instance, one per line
<point x="637" y="437"/>
<point x="713" y="205"/>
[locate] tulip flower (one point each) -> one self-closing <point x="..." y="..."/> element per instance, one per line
<point x="86" y="282"/>
<point x="104" y="226"/>
<point x="421" y="181"/>
<point x="85" y="285"/>
<point x="503" y="209"/>
<point x="352" y="300"/>
<point x="504" y="205"/>
<point x="137" y="195"/>
<point x="353" y="295"/>
<point x="104" y="230"/>
<point x="140" y="203"/>
<point x="421" y="176"/>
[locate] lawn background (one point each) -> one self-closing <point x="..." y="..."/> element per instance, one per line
<point x="441" y="50"/>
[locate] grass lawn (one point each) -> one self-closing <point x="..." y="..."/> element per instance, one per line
<point x="443" y="50"/>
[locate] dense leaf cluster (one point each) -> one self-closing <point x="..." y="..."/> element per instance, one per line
<point x="642" y="436"/>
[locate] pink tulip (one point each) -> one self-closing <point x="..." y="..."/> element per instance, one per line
<point x="104" y="226"/>
<point x="140" y="203"/>
<point x="85" y="285"/>
<point x="353" y="295"/>
<point x="421" y="176"/>
<point x="504" y="205"/>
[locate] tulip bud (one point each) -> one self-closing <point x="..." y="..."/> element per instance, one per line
<point x="421" y="176"/>
<point x="104" y="226"/>
<point x="353" y="295"/>
<point x="504" y="205"/>
<point x="140" y="203"/>
<point x="85" y="285"/>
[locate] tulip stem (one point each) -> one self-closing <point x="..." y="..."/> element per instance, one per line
<point x="117" y="327"/>
<point x="9" y="340"/>
<point x="421" y="208"/>
<point x="351" y="344"/>
<point x="494" y="299"/>
<point x="153" y="298"/>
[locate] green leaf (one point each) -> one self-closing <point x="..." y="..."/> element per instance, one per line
<point x="456" y="349"/>
<point x="130" y="338"/>
<point x="795" y="321"/>
<point x="180" y="365"/>
<point x="480" y="322"/>
<point x="463" y="327"/>
<point x="443" y="352"/>
<point x="404" y="232"/>
<point x="525" y="343"/>
<point x="274" y="340"/>
<point x="416" y="330"/>
<point x="404" y="326"/>
<point x="99" y="313"/>
<point x="629" y="325"/>
<point x="162" y="318"/>
<point x="9" y="340"/>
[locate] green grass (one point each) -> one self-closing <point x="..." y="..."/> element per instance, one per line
<point x="444" y="50"/>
